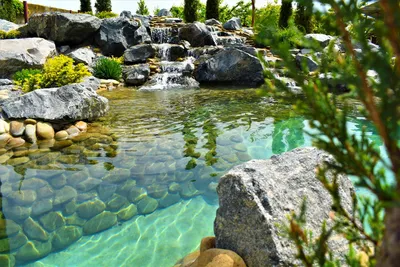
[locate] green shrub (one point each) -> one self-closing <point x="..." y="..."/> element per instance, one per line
<point x="106" y="15"/>
<point x="190" y="10"/>
<point x="212" y="9"/>
<point x="103" y="6"/>
<point x="177" y="11"/>
<point x="107" y="68"/>
<point x="142" y="8"/>
<point x="57" y="71"/>
<point x="86" y="6"/>
<point x="10" y="9"/>
<point x="28" y="79"/>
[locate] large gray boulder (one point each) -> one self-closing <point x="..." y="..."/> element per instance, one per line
<point x="164" y="13"/>
<point x="68" y="103"/>
<point x="117" y="34"/>
<point x="82" y="55"/>
<point x="136" y="75"/>
<point x="64" y="28"/>
<point x="18" y="54"/>
<point x="230" y="66"/>
<point x="234" y="24"/>
<point x="256" y="197"/>
<point x="139" y="54"/>
<point x="6" y="25"/>
<point x="197" y="35"/>
<point x="145" y="20"/>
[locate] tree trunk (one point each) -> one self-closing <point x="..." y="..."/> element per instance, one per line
<point x="253" y="13"/>
<point x="389" y="254"/>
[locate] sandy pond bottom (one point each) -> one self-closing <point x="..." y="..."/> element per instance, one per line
<point x="158" y="239"/>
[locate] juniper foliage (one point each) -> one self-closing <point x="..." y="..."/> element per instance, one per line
<point x="103" y="5"/>
<point x="142" y="8"/>
<point x="375" y="226"/>
<point x="190" y="10"/>
<point x="86" y="6"/>
<point x="286" y="13"/>
<point x="212" y="9"/>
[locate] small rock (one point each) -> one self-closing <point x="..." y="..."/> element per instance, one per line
<point x="17" y="128"/>
<point x="4" y="139"/>
<point x="52" y="221"/>
<point x="169" y="200"/>
<point x="65" y="236"/>
<point x="64" y="195"/>
<point x="73" y="131"/>
<point x="34" y="231"/>
<point x="7" y="260"/>
<point x="139" y="54"/>
<point x="23" y="197"/>
<point x="30" y="121"/>
<point x="30" y="133"/>
<point x="136" y="194"/>
<point x="164" y="13"/>
<point x="42" y="206"/>
<point x="212" y="22"/>
<point x="44" y="130"/>
<point x="4" y="127"/>
<point x="100" y="223"/>
<point x="13" y="242"/>
<point x="61" y="135"/>
<point x="81" y="125"/>
<point x="33" y="250"/>
<point x="116" y="202"/>
<point x="90" y="209"/>
<point x="15" y="142"/>
<point x="8" y="228"/>
<point x="234" y="24"/>
<point x="147" y="205"/>
<point x="127" y="213"/>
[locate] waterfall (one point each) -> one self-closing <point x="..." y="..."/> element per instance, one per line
<point x="173" y="75"/>
<point x="164" y="35"/>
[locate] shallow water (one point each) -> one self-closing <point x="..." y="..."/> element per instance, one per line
<point x="146" y="175"/>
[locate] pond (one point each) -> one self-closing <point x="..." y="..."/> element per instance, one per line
<point x="139" y="189"/>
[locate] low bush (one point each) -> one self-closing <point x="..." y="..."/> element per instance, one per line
<point x="108" y="68"/>
<point x="10" y="34"/>
<point x="57" y="71"/>
<point x="106" y="15"/>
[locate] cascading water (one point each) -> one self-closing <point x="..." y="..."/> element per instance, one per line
<point x="164" y="35"/>
<point x="173" y="74"/>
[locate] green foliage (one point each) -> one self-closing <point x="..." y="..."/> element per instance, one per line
<point x="57" y="71"/>
<point x="86" y="6"/>
<point x="177" y="11"/>
<point x="107" y="68"/>
<point x="28" y="79"/>
<point x="142" y="8"/>
<point x="103" y="5"/>
<point x="10" y="9"/>
<point x="286" y="13"/>
<point x="106" y="15"/>
<point x="269" y="30"/>
<point x="241" y="10"/>
<point x="376" y="169"/>
<point x="212" y="9"/>
<point x="156" y="11"/>
<point x="303" y="17"/>
<point x="13" y="34"/>
<point x="190" y="10"/>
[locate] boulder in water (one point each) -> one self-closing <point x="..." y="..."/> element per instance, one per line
<point x="72" y="102"/>
<point x="139" y="54"/>
<point x="230" y="66"/>
<point x="197" y="35"/>
<point x="63" y="28"/>
<point x="136" y="75"/>
<point x="117" y="34"/>
<point x="18" y="54"/>
<point x="256" y="197"/>
<point x="234" y="24"/>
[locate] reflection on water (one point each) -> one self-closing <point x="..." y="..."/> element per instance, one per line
<point x="147" y="172"/>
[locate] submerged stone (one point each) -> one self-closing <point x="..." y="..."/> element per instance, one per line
<point x="23" y="197"/>
<point x="116" y="202"/>
<point x="100" y="223"/>
<point x="34" y="231"/>
<point x="8" y="228"/>
<point x="13" y="242"/>
<point x="136" y="194"/>
<point x="105" y="191"/>
<point x="58" y="182"/>
<point x="90" y="209"/>
<point x="42" y="206"/>
<point x="127" y="213"/>
<point x="88" y="184"/>
<point x="64" y="195"/>
<point x="147" y="205"/>
<point x="65" y="236"/>
<point x="188" y="190"/>
<point x="169" y="200"/>
<point x="157" y="190"/>
<point x="33" y="250"/>
<point x="52" y="221"/>
<point x="74" y="219"/>
<point x="117" y="176"/>
<point x="7" y="260"/>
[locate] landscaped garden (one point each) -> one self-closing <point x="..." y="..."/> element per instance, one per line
<point x="134" y="139"/>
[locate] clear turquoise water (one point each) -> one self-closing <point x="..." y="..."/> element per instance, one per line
<point x="172" y="147"/>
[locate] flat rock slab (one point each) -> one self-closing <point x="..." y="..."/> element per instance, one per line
<point x="256" y="197"/>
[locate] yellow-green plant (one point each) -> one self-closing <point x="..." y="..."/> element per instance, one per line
<point x="10" y="34"/>
<point x="60" y="70"/>
<point x="106" y="15"/>
<point x="57" y="71"/>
